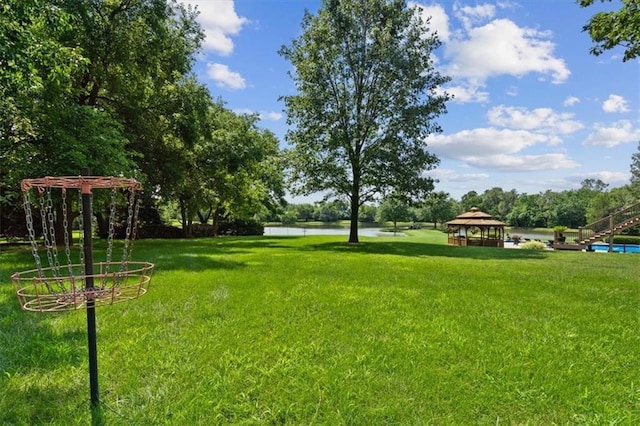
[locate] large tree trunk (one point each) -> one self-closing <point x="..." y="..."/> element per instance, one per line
<point x="103" y="225"/>
<point x="353" y="230"/>
<point x="217" y="216"/>
<point x="204" y="217"/>
<point x="187" y="221"/>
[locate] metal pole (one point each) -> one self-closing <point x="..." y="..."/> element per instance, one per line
<point x="91" y="310"/>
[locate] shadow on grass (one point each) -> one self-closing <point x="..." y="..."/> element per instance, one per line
<point x="202" y="254"/>
<point x="417" y="249"/>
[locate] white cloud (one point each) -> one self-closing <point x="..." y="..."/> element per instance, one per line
<point x="439" y="19"/>
<point x="612" y="135"/>
<point x="224" y="77"/>
<point x="468" y="92"/>
<point x="523" y="163"/>
<point x="219" y="20"/>
<point x="512" y="91"/>
<point x="450" y="175"/>
<point x="612" y="178"/>
<point x="615" y="103"/>
<point x="271" y="116"/>
<point x="499" y="149"/>
<point x="503" y="48"/>
<point x="571" y="101"/>
<point x="538" y="119"/>
<point x="484" y="142"/>
<point x="473" y="15"/>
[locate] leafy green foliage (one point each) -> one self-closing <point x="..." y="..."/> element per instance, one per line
<point x="533" y="245"/>
<point x="438" y="207"/>
<point x="635" y="171"/>
<point x="394" y="210"/>
<point x="37" y="75"/>
<point x="107" y="85"/>
<point x="367" y="97"/>
<point x="615" y="28"/>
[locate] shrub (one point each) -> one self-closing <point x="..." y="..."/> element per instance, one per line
<point x="202" y="230"/>
<point x="533" y="245"/>
<point x="625" y="239"/>
<point x="160" y="231"/>
<point x="241" y="227"/>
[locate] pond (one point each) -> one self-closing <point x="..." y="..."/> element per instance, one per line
<point x="302" y="231"/>
<point x="531" y="234"/>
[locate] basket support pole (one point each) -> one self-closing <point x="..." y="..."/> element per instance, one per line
<point x="91" y="309"/>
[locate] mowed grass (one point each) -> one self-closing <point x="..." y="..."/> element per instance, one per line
<point x="310" y="330"/>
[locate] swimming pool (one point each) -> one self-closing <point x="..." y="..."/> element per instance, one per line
<point x="617" y="248"/>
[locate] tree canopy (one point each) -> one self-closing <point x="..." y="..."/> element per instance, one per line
<point x="367" y="95"/>
<point x="108" y="85"/>
<point x="615" y="28"/>
<point x="635" y="171"/>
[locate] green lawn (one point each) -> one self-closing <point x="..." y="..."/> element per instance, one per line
<point x="310" y="330"/>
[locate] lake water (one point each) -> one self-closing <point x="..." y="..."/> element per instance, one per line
<point x="376" y="232"/>
<point x="295" y="231"/>
<point x="532" y="235"/>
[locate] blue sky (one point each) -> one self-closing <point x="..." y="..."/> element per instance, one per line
<point x="533" y="110"/>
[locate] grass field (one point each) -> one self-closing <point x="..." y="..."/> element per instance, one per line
<point x="310" y="330"/>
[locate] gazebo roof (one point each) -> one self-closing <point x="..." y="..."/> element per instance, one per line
<point x="475" y="217"/>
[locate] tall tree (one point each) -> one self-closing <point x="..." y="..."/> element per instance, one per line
<point x="367" y="96"/>
<point x="81" y="77"/>
<point x="615" y="28"/>
<point x="393" y="209"/>
<point x="438" y="207"/>
<point x="497" y="202"/>
<point x="471" y="199"/>
<point x="635" y="172"/>
<point x="37" y="73"/>
<point x="527" y="212"/>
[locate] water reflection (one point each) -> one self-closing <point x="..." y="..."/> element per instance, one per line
<point x="295" y="231"/>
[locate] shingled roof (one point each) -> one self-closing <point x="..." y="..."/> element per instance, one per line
<point x="475" y="217"/>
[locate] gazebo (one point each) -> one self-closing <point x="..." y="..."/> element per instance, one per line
<point x="475" y="228"/>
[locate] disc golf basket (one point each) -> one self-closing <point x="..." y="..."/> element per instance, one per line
<point x="66" y="280"/>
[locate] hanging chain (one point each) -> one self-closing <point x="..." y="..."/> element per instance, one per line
<point x="134" y="230"/>
<point x="54" y="243"/>
<point x="110" y="235"/>
<point x="32" y="233"/>
<point x="45" y="231"/>
<point x="81" y="227"/>
<point x="65" y="225"/>
<point x="49" y="237"/>
<point x="132" y="214"/>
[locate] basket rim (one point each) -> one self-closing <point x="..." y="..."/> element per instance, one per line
<point x="35" y="294"/>
<point x="80" y="182"/>
<point x="144" y="266"/>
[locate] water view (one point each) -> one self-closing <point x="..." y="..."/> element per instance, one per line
<point x="302" y="231"/>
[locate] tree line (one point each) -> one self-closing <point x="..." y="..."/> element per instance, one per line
<point x="572" y="208"/>
<point x="109" y="85"/>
